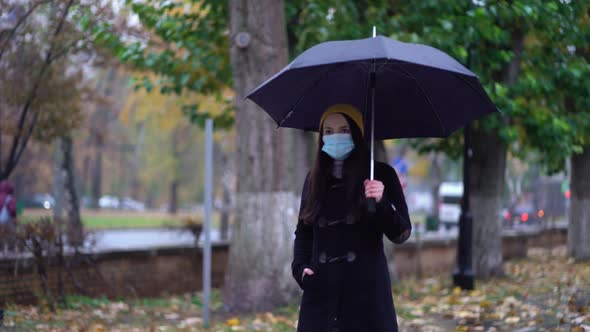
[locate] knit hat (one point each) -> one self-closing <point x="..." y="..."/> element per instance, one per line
<point x="347" y="109"/>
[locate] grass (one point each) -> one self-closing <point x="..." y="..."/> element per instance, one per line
<point x="112" y="219"/>
<point x="517" y="301"/>
<point x="122" y="219"/>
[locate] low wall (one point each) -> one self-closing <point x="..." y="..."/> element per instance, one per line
<point x="438" y="256"/>
<point x="158" y="272"/>
<point x="148" y="273"/>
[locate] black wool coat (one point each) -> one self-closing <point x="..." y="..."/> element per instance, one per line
<point x="350" y="289"/>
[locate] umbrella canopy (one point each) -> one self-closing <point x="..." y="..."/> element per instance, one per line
<point x="419" y="90"/>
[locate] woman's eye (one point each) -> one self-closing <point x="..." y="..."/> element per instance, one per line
<point x="327" y="132"/>
<point x="346" y="131"/>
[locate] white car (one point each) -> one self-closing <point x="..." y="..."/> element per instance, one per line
<point x="108" y="202"/>
<point x="449" y="209"/>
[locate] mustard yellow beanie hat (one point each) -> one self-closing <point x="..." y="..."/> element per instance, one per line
<point x="347" y="109"/>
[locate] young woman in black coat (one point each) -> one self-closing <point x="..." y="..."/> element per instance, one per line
<point x="338" y="251"/>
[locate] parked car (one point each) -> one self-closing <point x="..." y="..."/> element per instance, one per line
<point x="128" y="203"/>
<point x="40" y="201"/>
<point x="522" y="212"/>
<point x="449" y="209"/>
<point x="419" y="201"/>
<point x="108" y="202"/>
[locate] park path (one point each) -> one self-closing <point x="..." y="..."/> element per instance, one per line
<point x="145" y="239"/>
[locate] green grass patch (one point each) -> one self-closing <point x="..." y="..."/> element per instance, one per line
<point x="121" y="219"/>
<point x="81" y="301"/>
<point x="127" y="221"/>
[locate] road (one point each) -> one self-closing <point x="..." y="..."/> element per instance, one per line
<point x="141" y="239"/>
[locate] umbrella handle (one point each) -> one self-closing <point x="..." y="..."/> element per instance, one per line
<point x="372" y="205"/>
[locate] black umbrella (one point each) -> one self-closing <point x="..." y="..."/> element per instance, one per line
<point x="412" y="90"/>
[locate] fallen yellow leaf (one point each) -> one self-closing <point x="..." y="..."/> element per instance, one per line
<point x="233" y="322"/>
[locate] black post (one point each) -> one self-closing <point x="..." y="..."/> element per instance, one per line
<point x="463" y="275"/>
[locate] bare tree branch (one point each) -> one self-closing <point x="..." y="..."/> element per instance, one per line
<point x="13" y="156"/>
<point x="21" y="20"/>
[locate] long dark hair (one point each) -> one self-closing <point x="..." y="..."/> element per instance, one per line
<point x="355" y="170"/>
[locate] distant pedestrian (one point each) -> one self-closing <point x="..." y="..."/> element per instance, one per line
<point x="7" y="214"/>
<point x="339" y="260"/>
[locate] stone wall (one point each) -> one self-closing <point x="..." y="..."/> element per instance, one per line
<point x="126" y="274"/>
<point x="159" y="272"/>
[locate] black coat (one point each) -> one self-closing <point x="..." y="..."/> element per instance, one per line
<point x="351" y="287"/>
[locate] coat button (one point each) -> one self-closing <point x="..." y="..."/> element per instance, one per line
<point x="323" y="257"/>
<point x="350" y="256"/>
<point x="350" y="219"/>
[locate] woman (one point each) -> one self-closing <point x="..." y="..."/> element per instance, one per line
<point x="338" y="252"/>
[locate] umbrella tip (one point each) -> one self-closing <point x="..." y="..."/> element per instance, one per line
<point x="374" y="31"/>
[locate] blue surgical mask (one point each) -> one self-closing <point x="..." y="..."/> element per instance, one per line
<point x="338" y="146"/>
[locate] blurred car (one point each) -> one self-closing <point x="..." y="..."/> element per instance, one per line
<point x="523" y="212"/>
<point x="39" y="200"/>
<point x="108" y="202"/>
<point x="419" y="201"/>
<point x="128" y="203"/>
<point x="449" y="210"/>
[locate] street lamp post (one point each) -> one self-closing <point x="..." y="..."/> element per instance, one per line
<point x="463" y="275"/>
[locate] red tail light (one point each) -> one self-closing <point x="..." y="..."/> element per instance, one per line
<point x="524" y="217"/>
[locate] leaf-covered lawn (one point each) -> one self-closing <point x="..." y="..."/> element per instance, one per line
<point x="545" y="292"/>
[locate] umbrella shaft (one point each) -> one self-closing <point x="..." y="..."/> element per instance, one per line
<point x="372" y="83"/>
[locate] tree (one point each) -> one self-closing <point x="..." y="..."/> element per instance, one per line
<point x="266" y="206"/>
<point x="498" y="40"/>
<point x="557" y="116"/>
<point x="183" y="43"/>
<point x="27" y="77"/>
<point x="570" y="64"/>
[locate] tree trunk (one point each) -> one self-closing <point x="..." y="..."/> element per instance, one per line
<point x="487" y="181"/>
<point x="258" y="274"/>
<point x="579" y="217"/>
<point x="75" y="228"/>
<point x="58" y="181"/>
<point x="488" y="167"/>
<point x="99" y="131"/>
<point x="297" y="153"/>
<point x="226" y="197"/>
<point x="173" y="201"/>
<point x="86" y="168"/>
<point x="435" y="174"/>
<point x="96" y="190"/>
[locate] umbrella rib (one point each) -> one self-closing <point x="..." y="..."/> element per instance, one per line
<point x="292" y="108"/>
<point x="442" y="127"/>
<point x="472" y="87"/>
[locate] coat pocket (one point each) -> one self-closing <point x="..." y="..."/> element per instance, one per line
<point x="313" y="283"/>
<point x="307" y="280"/>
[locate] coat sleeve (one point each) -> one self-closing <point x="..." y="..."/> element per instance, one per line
<point x="392" y="210"/>
<point x="303" y="242"/>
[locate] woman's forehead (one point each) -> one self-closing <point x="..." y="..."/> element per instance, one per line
<point x="335" y="120"/>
